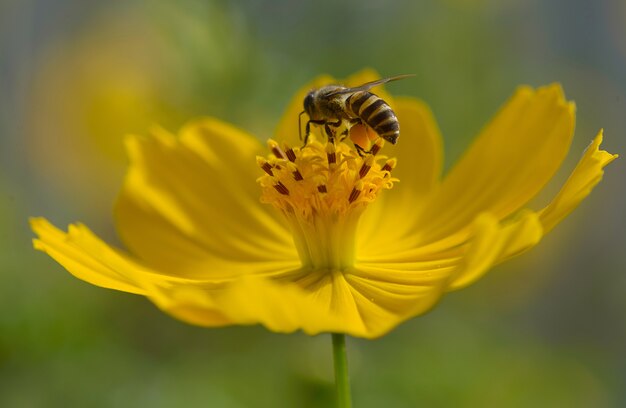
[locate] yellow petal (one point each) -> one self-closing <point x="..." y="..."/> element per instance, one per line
<point x="492" y="242"/>
<point x="389" y="293"/>
<point x="281" y="307"/>
<point x="438" y="268"/>
<point x="351" y="302"/>
<point x="386" y="296"/>
<point x="198" y="198"/>
<point x="85" y="257"/>
<point x="419" y="151"/>
<point x="392" y="218"/>
<point x="510" y="162"/>
<point x="94" y="261"/>
<point x="193" y="300"/>
<point x="583" y="179"/>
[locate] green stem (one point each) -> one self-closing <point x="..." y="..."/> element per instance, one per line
<point x="342" y="380"/>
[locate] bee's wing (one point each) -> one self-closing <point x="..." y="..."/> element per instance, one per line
<point x="368" y="85"/>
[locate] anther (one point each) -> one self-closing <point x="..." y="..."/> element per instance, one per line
<point x="356" y="191"/>
<point x="354" y="194"/>
<point x="366" y="166"/>
<point x="294" y="170"/>
<point x="330" y="153"/>
<point x="264" y="164"/>
<point x="291" y="155"/>
<point x="390" y="165"/>
<point x="378" y="145"/>
<point x="275" y="148"/>
<point x="280" y="187"/>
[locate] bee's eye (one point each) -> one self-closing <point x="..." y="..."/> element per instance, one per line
<point x="308" y="102"/>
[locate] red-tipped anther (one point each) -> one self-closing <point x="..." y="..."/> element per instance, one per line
<point x="378" y="145"/>
<point x="280" y="187"/>
<point x="354" y="194"/>
<point x="275" y="148"/>
<point x="366" y="166"/>
<point x="356" y="191"/>
<point x="267" y="168"/>
<point x="330" y="153"/>
<point x="291" y="155"/>
<point x="294" y="171"/>
<point x="322" y="188"/>
<point x="390" y="165"/>
<point x="264" y="164"/>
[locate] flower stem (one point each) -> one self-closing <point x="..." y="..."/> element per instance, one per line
<point x="342" y="380"/>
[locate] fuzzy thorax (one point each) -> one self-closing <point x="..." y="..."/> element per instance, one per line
<point x="322" y="189"/>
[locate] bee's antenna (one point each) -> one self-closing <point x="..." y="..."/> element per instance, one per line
<point x="300" y="125"/>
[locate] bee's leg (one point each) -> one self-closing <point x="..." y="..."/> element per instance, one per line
<point x="331" y="132"/>
<point x="335" y="124"/>
<point x="373" y="150"/>
<point x="361" y="151"/>
<point x="344" y="135"/>
<point x="307" y="131"/>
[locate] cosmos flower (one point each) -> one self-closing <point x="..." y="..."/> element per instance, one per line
<point x="336" y="242"/>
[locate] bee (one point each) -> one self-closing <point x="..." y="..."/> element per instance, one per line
<point x="334" y="105"/>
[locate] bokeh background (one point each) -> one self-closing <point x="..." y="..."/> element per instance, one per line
<point x="545" y="330"/>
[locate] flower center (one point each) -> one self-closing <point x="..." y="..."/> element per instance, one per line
<point x="322" y="189"/>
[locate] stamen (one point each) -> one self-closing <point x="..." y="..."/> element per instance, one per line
<point x="390" y="165"/>
<point x="291" y="155"/>
<point x="294" y="170"/>
<point x="354" y="195"/>
<point x="366" y="166"/>
<point x="275" y="148"/>
<point x="330" y="153"/>
<point x="378" y="145"/>
<point x="280" y="187"/>
<point x="356" y="191"/>
<point x="322" y="191"/>
<point x="265" y="165"/>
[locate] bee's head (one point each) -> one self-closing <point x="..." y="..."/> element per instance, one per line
<point x="309" y="105"/>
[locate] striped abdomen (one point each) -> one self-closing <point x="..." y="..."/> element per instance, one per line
<point x="375" y="113"/>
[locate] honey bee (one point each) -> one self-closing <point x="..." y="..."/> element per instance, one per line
<point x="334" y="105"/>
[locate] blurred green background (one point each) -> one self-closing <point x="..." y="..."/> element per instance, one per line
<point x="545" y="330"/>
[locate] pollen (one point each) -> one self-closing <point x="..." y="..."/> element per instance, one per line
<point x="322" y="189"/>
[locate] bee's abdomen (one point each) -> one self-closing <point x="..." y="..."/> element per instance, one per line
<point x="376" y="113"/>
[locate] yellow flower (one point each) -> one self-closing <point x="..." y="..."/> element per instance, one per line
<point x="338" y="244"/>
